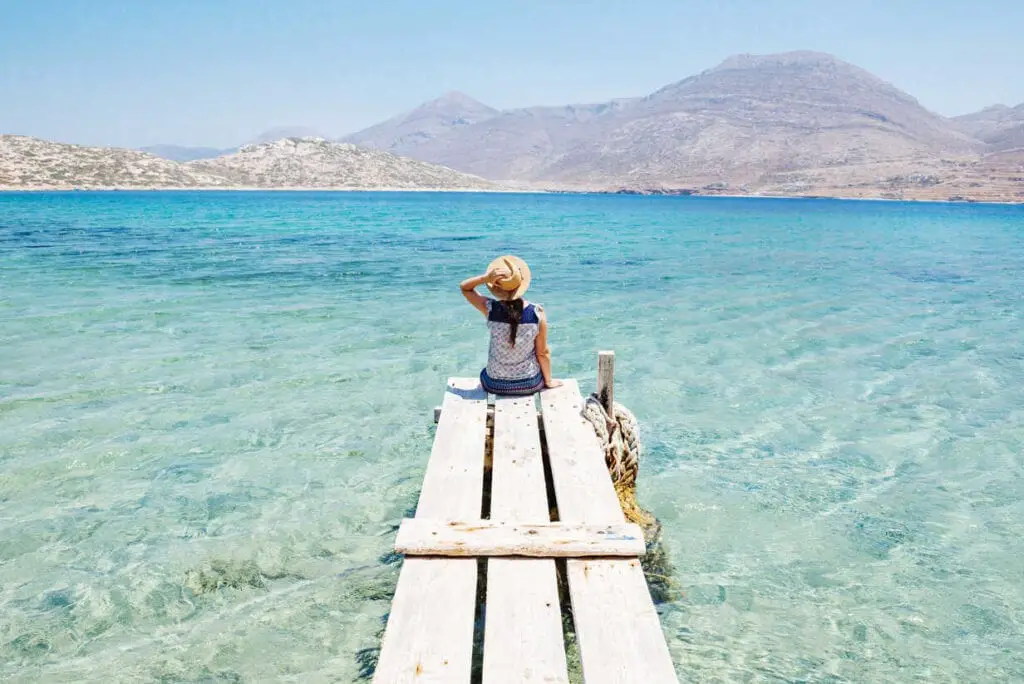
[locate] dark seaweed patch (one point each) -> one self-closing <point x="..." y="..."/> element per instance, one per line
<point x="934" y="276"/>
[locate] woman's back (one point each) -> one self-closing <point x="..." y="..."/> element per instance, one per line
<point x="507" y="360"/>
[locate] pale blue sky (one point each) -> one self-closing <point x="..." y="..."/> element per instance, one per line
<point x="217" y="72"/>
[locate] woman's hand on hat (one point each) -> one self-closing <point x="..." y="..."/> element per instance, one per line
<point x="498" y="274"/>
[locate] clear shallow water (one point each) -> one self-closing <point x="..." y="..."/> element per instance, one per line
<point x="207" y="385"/>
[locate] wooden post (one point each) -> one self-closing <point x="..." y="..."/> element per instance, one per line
<point x="606" y="380"/>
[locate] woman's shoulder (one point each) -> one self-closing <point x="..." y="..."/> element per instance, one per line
<point x="496" y="310"/>
<point x="533" y="312"/>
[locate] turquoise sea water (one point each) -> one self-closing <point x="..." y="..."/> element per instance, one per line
<point x="239" y="386"/>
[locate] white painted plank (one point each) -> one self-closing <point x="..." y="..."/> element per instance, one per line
<point x="617" y="627"/>
<point x="583" y="487"/>
<point x="429" y="635"/>
<point x="518" y="491"/>
<point x="490" y="413"/>
<point x="425" y="537"/>
<point x="453" y="485"/>
<point x="523" y="629"/>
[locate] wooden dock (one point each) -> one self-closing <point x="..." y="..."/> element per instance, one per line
<point x="450" y="547"/>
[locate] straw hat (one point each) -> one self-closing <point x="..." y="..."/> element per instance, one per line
<point x="515" y="285"/>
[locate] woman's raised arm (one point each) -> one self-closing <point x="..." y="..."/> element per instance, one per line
<point x="469" y="285"/>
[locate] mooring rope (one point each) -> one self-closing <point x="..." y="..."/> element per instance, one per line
<point x="620" y="438"/>
<point x="619" y="435"/>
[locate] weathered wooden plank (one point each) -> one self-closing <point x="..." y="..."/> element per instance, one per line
<point x="617" y="627"/>
<point x="423" y="537"/>
<point x="523" y="629"/>
<point x="429" y="635"/>
<point x="490" y="413"/>
<point x="583" y="487"/>
<point x="453" y="485"/>
<point x="606" y="380"/>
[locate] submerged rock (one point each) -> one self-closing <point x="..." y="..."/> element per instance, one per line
<point x="220" y="574"/>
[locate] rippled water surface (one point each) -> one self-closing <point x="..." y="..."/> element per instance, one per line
<point x="214" y="408"/>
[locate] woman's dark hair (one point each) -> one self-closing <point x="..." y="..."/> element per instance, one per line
<point x="515" y="317"/>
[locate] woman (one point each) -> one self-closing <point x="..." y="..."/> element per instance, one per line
<point x="518" y="360"/>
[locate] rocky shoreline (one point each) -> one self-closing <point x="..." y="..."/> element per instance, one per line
<point x="639" y="192"/>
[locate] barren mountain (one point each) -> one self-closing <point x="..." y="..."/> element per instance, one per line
<point x="32" y="163"/>
<point x="752" y="116"/>
<point x="1000" y="126"/>
<point x="405" y="132"/>
<point x="749" y="117"/>
<point x="318" y="163"/>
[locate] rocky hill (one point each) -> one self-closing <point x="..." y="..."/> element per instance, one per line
<point x="291" y="163"/>
<point x="319" y="163"/>
<point x="737" y="124"/>
<point x="1001" y="127"/>
<point x="32" y="163"/>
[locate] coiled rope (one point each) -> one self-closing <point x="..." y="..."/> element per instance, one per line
<point x="619" y="435"/>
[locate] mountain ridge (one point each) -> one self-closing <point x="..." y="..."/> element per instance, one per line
<point x="999" y="126"/>
<point x="423" y="123"/>
<point x="745" y="118"/>
<point x="797" y="123"/>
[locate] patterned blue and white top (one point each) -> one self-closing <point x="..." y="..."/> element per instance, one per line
<point x="505" y="362"/>
<point x="512" y="369"/>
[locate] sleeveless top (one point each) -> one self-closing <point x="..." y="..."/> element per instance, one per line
<point x="507" y="362"/>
